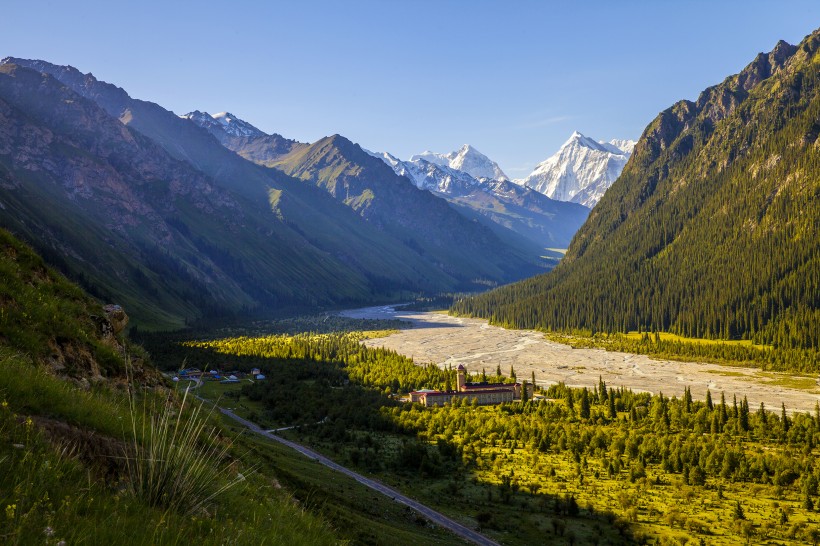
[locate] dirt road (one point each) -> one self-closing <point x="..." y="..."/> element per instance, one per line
<point x="393" y="495"/>
<point x="444" y="340"/>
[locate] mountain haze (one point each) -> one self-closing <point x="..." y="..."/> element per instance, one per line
<point x="152" y="211"/>
<point x="712" y="229"/>
<point x="391" y="202"/>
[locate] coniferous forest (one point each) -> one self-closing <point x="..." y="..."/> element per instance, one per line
<point x="594" y="466"/>
<point x="713" y="229"/>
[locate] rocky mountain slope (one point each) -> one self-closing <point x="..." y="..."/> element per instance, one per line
<point x="396" y="206"/>
<point x="581" y="170"/>
<point x="390" y="201"/>
<point x="712" y="229"/>
<point x="152" y="211"/>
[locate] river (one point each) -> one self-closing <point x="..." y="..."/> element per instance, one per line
<point x="446" y="340"/>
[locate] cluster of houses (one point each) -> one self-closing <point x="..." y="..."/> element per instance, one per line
<point x="219" y="375"/>
<point x="483" y="393"/>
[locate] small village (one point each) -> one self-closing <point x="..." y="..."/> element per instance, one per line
<point x="235" y="376"/>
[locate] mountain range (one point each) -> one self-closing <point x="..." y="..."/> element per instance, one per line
<point x="713" y="228"/>
<point x="152" y="211"/>
<point x="497" y="202"/>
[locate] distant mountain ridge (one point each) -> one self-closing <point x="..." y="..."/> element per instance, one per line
<point x="466" y="159"/>
<point x="545" y="222"/>
<point x="713" y="228"/>
<point x="581" y="170"/>
<point x="226" y="122"/>
<point x="526" y="221"/>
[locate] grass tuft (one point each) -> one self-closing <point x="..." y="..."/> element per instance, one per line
<point x="176" y="463"/>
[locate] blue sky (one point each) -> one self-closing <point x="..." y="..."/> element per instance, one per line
<point x="513" y="78"/>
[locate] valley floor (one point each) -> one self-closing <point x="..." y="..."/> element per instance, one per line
<point x="446" y="340"/>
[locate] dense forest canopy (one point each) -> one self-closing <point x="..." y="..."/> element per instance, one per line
<point x="712" y="230"/>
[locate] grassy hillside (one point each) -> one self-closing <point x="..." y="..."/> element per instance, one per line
<point x="76" y="424"/>
<point x="66" y="447"/>
<point x="712" y="229"/>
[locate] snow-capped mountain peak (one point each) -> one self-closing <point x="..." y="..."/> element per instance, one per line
<point x="225" y="121"/>
<point x="581" y="170"/>
<point x="466" y="159"/>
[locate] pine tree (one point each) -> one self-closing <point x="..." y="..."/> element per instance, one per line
<point x="724" y="416"/>
<point x="744" y="414"/>
<point x="585" y="409"/>
<point x="784" y="417"/>
<point x="738" y="512"/>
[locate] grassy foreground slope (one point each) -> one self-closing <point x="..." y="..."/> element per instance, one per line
<point x="63" y="443"/>
<point x="711" y="231"/>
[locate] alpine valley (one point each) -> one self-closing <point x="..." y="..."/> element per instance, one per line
<point x="151" y="210"/>
<point x="213" y="334"/>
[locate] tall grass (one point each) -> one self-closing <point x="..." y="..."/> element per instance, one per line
<point x="176" y="459"/>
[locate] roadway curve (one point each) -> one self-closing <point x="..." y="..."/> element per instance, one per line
<point x="436" y="517"/>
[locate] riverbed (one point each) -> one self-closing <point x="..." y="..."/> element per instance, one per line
<point x="445" y="340"/>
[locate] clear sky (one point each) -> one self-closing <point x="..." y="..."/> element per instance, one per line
<point x="513" y="78"/>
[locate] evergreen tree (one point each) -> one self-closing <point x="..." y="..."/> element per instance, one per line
<point x="744" y="414"/>
<point x="585" y="406"/>
<point x="724" y="416"/>
<point x="784" y="418"/>
<point x="738" y="512"/>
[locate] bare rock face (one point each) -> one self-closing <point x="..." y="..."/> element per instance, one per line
<point x="117" y="317"/>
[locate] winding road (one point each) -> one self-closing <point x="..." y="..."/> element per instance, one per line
<point x="436" y="517"/>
